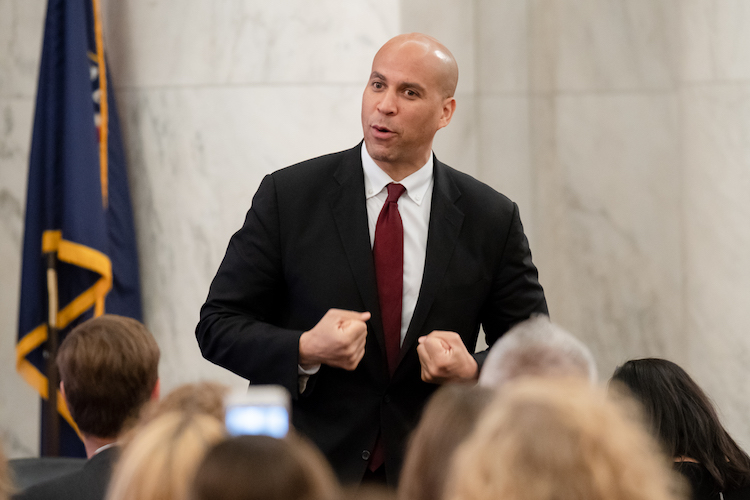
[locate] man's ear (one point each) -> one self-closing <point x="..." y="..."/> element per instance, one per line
<point x="62" y="391"/>
<point x="449" y="107"/>
<point x="157" y="390"/>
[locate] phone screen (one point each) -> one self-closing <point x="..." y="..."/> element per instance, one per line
<point x="268" y="420"/>
<point x="261" y="410"/>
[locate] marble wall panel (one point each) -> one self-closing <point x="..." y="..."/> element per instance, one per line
<point x="19" y="404"/>
<point x="451" y="22"/>
<point x="717" y="239"/>
<point x="715" y="40"/>
<point x="21" y="28"/>
<point x="502" y="48"/>
<point x="580" y="45"/>
<point x="609" y="205"/>
<point x="196" y="158"/>
<point x="504" y="152"/>
<point x="178" y="42"/>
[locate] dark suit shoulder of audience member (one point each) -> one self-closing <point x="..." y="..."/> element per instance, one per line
<point x="683" y="418"/>
<point x="90" y="483"/>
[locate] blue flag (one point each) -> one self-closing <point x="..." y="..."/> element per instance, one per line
<point x="78" y="203"/>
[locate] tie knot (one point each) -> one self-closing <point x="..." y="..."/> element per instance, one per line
<point x="394" y="192"/>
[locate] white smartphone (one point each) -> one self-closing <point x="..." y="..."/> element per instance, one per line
<point x="263" y="409"/>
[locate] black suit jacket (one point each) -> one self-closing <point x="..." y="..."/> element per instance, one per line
<point x="90" y="483"/>
<point x="305" y="248"/>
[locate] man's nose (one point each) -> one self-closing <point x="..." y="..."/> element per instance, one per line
<point x="387" y="104"/>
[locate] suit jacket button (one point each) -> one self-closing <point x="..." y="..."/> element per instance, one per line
<point x="386" y="399"/>
<point x="365" y="455"/>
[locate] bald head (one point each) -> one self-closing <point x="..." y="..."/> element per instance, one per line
<point x="408" y="98"/>
<point x="434" y="55"/>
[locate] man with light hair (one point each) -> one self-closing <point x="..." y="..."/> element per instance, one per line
<point x="539" y="348"/>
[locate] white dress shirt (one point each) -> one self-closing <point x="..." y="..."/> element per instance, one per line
<point x="414" y="208"/>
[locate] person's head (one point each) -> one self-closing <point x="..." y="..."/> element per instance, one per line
<point x="160" y="462"/>
<point x="683" y="418"/>
<point x="539" y="348"/>
<point x="200" y="397"/>
<point x="264" y="468"/>
<point x="447" y="419"/>
<point x="108" y="370"/>
<point x="408" y="98"/>
<point x="547" y="439"/>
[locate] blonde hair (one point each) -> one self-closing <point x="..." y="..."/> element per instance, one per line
<point x="447" y="420"/>
<point x="160" y="461"/>
<point x="563" y="440"/>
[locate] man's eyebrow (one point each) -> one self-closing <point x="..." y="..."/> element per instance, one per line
<point x="412" y="85"/>
<point x="377" y="75"/>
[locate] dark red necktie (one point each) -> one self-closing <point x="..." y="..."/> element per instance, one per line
<point x="388" y="251"/>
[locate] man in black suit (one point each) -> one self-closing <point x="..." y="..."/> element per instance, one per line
<point x="108" y="371"/>
<point x="360" y="279"/>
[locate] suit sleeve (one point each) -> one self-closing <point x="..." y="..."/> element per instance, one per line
<point x="238" y="323"/>
<point x="515" y="294"/>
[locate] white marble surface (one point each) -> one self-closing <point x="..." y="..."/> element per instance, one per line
<point x="610" y="235"/>
<point x="580" y="45"/>
<point x="195" y="42"/>
<point x="715" y="40"/>
<point x="717" y="239"/>
<point x="502" y="46"/>
<point x="504" y="152"/>
<point x="21" y="27"/>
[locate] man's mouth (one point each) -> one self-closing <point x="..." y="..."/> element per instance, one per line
<point x="381" y="132"/>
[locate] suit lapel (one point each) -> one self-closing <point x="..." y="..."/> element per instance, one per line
<point x="347" y="200"/>
<point x="442" y="233"/>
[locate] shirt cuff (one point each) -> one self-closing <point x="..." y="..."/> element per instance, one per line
<point x="308" y="371"/>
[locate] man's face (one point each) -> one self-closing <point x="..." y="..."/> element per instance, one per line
<point x="403" y="106"/>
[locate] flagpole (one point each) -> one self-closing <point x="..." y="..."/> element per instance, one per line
<point x="52" y="422"/>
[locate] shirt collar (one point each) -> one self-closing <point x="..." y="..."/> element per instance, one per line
<point x="376" y="179"/>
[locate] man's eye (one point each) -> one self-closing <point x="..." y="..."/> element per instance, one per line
<point x="377" y="85"/>
<point x="411" y="93"/>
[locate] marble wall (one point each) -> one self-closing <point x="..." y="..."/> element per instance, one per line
<point x="621" y="128"/>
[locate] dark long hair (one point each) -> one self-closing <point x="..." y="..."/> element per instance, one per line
<point x="683" y="418"/>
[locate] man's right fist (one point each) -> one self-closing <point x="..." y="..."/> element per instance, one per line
<point x="337" y="340"/>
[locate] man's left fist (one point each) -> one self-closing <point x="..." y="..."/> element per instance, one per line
<point x="444" y="358"/>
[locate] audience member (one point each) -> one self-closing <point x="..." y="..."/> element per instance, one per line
<point x="264" y="468"/>
<point x="201" y="397"/>
<point x="160" y="461"/>
<point x="544" y="439"/>
<point x="683" y="418"/>
<point x="447" y="420"/>
<point x="537" y="347"/>
<point x="108" y="371"/>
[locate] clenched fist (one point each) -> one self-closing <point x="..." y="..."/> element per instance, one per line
<point x="337" y="340"/>
<point x="444" y="358"/>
